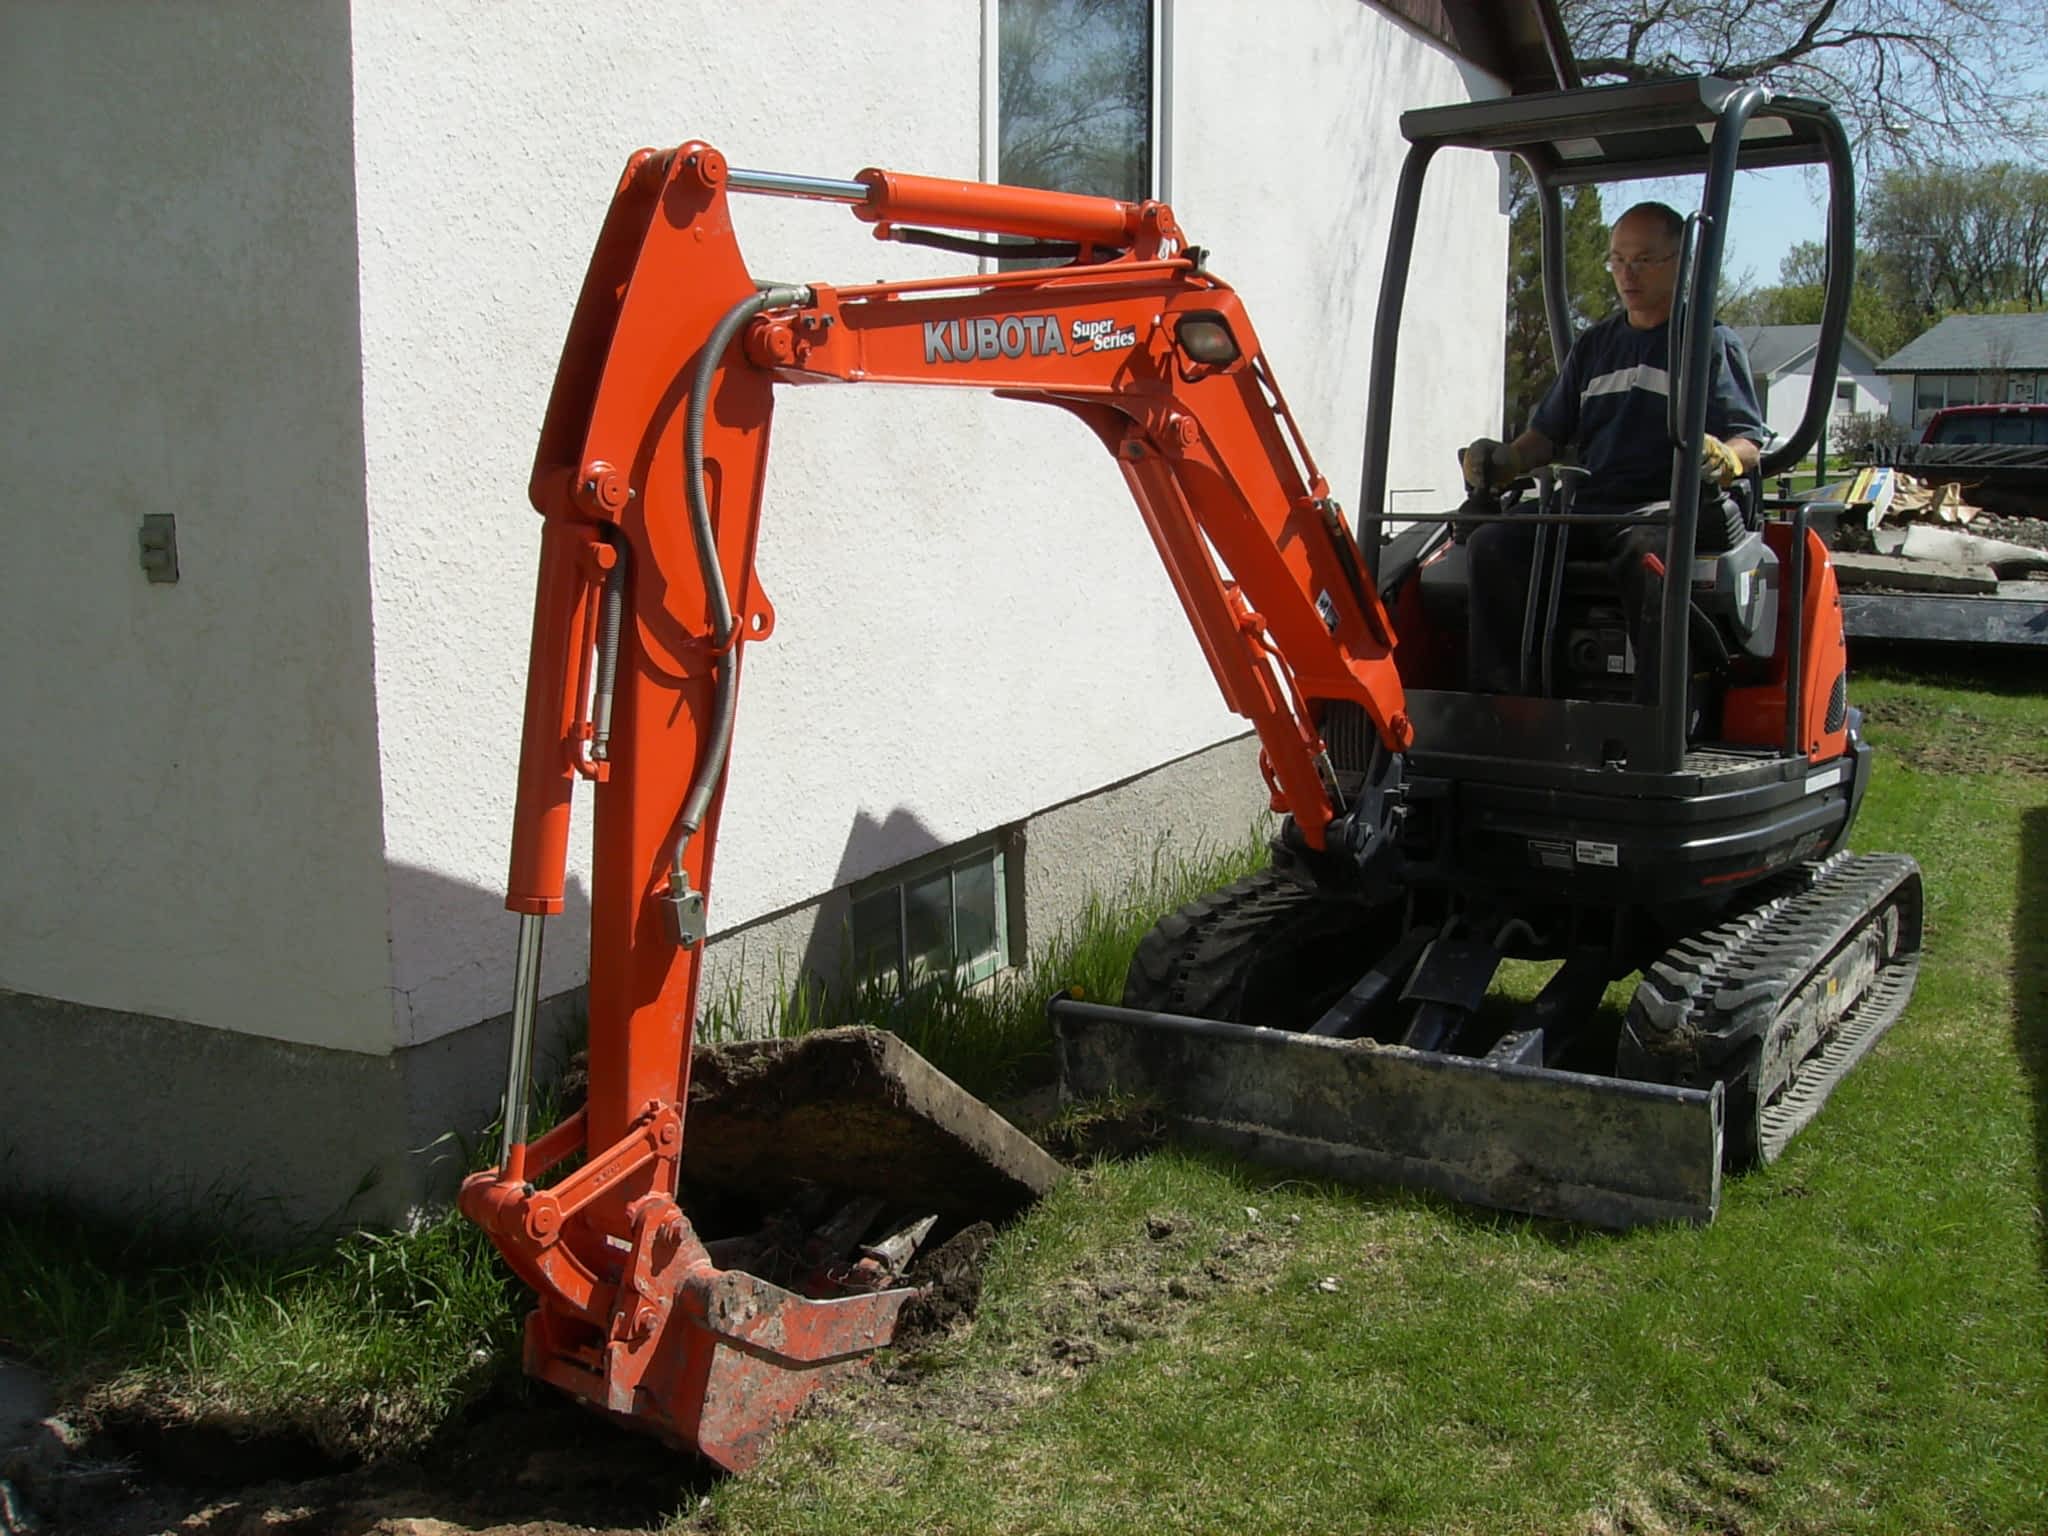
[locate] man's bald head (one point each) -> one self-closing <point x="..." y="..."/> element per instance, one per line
<point x="1642" y="255"/>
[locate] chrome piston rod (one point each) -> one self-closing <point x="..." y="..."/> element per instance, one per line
<point x="525" y="1007"/>
<point x="786" y="184"/>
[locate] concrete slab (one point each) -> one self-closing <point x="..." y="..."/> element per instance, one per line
<point x="859" y="1110"/>
<point x="1902" y="575"/>
<point x="2010" y="561"/>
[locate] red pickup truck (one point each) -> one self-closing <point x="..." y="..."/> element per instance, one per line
<point x="1999" y="453"/>
<point x="2014" y="426"/>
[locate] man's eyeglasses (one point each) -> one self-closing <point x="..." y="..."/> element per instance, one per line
<point x="1636" y="264"/>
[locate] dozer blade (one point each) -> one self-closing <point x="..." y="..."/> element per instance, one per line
<point x="1601" y="1150"/>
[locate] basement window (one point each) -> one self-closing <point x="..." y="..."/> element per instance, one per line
<point x="946" y="914"/>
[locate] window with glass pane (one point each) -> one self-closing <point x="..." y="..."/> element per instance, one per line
<point x="1962" y="389"/>
<point x="1074" y="96"/>
<point x="928" y="925"/>
<point x="938" y="917"/>
<point x="877" y="923"/>
<point x="1928" y="394"/>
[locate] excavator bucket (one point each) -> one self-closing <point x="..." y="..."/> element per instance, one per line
<point x="1521" y="1138"/>
<point x="815" y="1169"/>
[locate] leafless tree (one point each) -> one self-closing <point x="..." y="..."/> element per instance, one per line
<point x="1074" y="84"/>
<point x="1929" y="77"/>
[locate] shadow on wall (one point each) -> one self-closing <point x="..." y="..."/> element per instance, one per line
<point x="783" y="968"/>
<point x="2030" y="993"/>
<point x="453" y="945"/>
<point x="454" y="1082"/>
<point x="774" y="969"/>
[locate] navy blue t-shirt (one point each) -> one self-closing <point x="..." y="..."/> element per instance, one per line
<point x="1610" y="403"/>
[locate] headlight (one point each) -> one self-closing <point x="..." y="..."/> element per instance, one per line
<point x="1204" y="337"/>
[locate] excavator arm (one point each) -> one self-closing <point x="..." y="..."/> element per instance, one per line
<point x="649" y="478"/>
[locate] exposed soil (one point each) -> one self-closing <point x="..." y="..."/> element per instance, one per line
<point x="1143" y="1288"/>
<point x="524" y="1463"/>
<point x="1936" y="738"/>
<point x="528" y="1462"/>
<point x="856" y="1108"/>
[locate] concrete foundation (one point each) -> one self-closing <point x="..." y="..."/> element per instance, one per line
<point x="124" y="1113"/>
<point x="1099" y="843"/>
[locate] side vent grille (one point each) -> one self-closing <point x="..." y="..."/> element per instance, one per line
<point x="1348" y="734"/>
<point x="1838" y="702"/>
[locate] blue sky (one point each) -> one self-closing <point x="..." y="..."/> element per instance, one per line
<point x="1772" y="211"/>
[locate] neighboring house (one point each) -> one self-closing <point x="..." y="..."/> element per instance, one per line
<point x="1781" y="363"/>
<point x="298" y="277"/>
<point x="1969" y="360"/>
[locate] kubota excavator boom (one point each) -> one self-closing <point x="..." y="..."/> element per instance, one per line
<point x="649" y="477"/>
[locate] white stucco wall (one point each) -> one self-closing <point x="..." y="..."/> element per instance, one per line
<point x="1287" y="147"/>
<point x="301" y="275"/>
<point x="972" y="624"/>
<point x="191" y="824"/>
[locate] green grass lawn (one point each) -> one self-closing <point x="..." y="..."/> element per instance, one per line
<point x="1859" y="1343"/>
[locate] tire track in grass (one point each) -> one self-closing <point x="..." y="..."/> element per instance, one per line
<point x="1722" y="1488"/>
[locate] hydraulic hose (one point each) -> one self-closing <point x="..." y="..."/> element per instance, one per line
<point x="711" y="761"/>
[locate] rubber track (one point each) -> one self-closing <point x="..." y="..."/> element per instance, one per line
<point x="1160" y="968"/>
<point x="1186" y="963"/>
<point x="1690" y="1015"/>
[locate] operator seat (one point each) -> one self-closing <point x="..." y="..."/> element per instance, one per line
<point x="1735" y="578"/>
<point x="1735" y="585"/>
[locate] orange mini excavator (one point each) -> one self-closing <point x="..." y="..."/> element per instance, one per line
<point x="1332" y="1013"/>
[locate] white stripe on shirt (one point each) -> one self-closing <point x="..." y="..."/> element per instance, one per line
<point x="1642" y="376"/>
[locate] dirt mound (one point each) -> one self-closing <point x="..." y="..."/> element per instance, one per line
<point x="525" y="1462"/>
<point x="1144" y="1288"/>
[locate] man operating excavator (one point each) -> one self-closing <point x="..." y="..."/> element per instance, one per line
<point x="1609" y="403"/>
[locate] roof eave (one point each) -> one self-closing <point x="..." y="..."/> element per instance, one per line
<point x="1521" y="42"/>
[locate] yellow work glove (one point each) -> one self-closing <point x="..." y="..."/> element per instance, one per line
<point x="1718" y="462"/>
<point x="1487" y="464"/>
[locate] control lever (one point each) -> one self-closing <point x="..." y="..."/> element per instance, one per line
<point x="1570" y="477"/>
